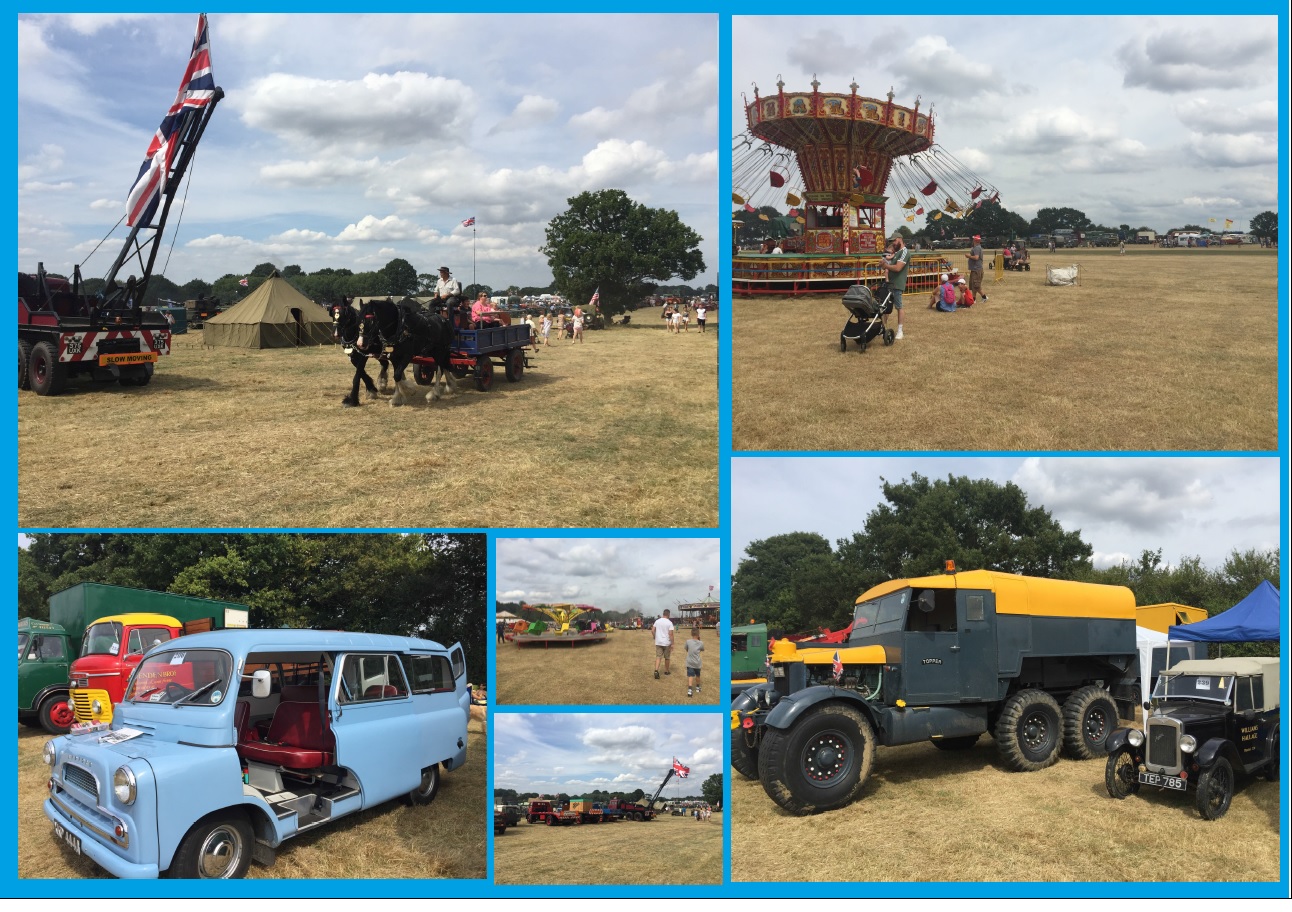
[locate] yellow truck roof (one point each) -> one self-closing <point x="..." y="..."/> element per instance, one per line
<point x="1026" y="595"/>
<point x="139" y="620"/>
<point x="1167" y="615"/>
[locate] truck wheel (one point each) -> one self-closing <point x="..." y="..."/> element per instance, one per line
<point x="219" y="847"/>
<point x="1029" y="731"/>
<point x="1215" y="790"/>
<point x="515" y="366"/>
<point x="24" y="360"/>
<point x="551" y="820"/>
<point x="1089" y="717"/>
<point x="1121" y="773"/>
<point x="56" y="715"/>
<point x="45" y="374"/>
<point x="821" y="763"/>
<point x="956" y="744"/>
<point x="427" y="788"/>
<point x="744" y="759"/>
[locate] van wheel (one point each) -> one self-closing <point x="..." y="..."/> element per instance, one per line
<point x="218" y="847"/>
<point x="429" y="786"/>
<point x="1029" y="731"/>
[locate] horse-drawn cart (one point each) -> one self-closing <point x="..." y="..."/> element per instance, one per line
<point x="476" y="351"/>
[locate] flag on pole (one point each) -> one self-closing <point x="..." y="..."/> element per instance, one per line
<point x="196" y="91"/>
<point x="1211" y="221"/>
<point x="467" y="223"/>
<point x="837" y="666"/>
<point x="242" y="282"/>
<point x="1229" y="223"/>
<point x="679" y="770"/>
<point x="596" y="296"/>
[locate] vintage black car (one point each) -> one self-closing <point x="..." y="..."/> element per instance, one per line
<point x="1209" y="719"/>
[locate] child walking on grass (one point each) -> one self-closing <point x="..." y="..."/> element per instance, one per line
<point x="693" y="649"/>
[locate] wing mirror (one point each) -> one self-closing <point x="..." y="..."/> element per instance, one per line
<point x="260" y="683"/>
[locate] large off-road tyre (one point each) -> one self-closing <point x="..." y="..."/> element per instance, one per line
<point x="1029" y="731"/>
<point x="218" y="846"/>
<point x="956" y="744"/>
<point x="46" y="375"/>
<point x="428" y="788"/>
<point x="1089" y="717"/>
<point x="819" y="764"/>
<point x="24" y="360"/>
<point x="1215" y="790"/>
<point x="56" y="714"/>
<point x="744" y="759"/>
<point x="1121" y="773"/>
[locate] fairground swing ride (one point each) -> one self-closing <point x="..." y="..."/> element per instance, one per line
<point x="835" y="160"/>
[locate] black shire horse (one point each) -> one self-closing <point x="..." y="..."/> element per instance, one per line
<point x="408" y="332"/>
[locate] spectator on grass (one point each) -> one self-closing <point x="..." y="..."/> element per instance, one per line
<point x="965" y="297"/>
<point x="663" y="628"/>
<point x="944" y="296"/>
<point x="694" y="647"/>
<point x="976" y="267"/>
<point x="895" y="263"/>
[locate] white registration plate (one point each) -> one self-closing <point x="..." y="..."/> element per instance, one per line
<point x="73" y="841"/>
<point x="1161" y="781"/>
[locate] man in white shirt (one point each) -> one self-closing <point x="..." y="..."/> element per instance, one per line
<point x="663" y="642"/>
<point x="448" y="290"/>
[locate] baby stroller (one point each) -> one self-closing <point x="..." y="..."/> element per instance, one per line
<point x="867" y="310"/>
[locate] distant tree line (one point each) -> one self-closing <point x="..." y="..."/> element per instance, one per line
<point x="710" y="791"/>
<point x="430" y="586"/>
<point x="799" y="583"/>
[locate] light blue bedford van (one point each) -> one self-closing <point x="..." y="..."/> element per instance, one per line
<point x="228" y="743"/>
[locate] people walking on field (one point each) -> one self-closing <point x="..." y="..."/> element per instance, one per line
<point x="663" y="628"/>
<point x="694" y="646"/>
<point x="700" y="313"/>
<point x="547" y="328"/>
<point x="578" y="327"/>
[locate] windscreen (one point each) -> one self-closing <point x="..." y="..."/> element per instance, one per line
<point x="881" y="615"/>
<point x="1194" y="687"/>
<point x="197" y="677"/>
<point x="23" y="640"/>
<point x="103" y="638"/>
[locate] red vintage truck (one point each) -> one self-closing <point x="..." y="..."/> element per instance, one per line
<point x="544" y="811"/>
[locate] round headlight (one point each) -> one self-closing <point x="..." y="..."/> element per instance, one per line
<point x="96" y="707"/>
<point x="49" y="753"/>
<point x="1188" y="744"/>
<point x="1136" y="737"/>
<point x="123" y="785"/>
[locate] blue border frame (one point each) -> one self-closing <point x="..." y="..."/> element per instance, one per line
<point x="724" y="10"/>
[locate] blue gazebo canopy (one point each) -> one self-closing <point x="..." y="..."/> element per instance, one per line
<point x="1254" y="619"/>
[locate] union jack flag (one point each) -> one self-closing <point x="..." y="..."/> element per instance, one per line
<point x="467" y="223"/>
<point x="679" y="770"/>
<point x="196" y="91"/>
<point x="837" y="666"/>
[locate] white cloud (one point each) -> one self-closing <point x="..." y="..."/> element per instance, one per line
<point x="530" y="111"/>
<point x="932" y="65"/>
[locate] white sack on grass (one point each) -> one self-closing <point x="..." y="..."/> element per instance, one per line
<point x="1061" y="275"/>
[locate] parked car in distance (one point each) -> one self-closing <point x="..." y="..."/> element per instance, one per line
<point x="1209" y="718"/>
<point x="226" y="744"/>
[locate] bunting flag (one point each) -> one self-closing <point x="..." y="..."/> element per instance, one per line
<point x="837" y="666"/>
<point x="196" y="90"/>
<point x="467" y="223"/>
<point x="679" y="770"/>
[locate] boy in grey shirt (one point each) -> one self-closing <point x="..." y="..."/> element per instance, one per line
<point x="693" y="649"/>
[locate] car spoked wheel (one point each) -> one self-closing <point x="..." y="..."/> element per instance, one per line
<point x="1121" y="774"/>
<point x="827" y="758"/>
<point x="1216" y="790"/>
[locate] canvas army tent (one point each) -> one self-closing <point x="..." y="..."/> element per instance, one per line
<point x="275" y="315"/>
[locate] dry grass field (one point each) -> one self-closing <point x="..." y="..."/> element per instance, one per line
<point x="1155" y="350"/>
<point x="621" y="430"/>
<point x="446" y="839"/>
<point x="619" y="670"/>
<point x="931" y="816"/>
<point x="667" y="850"/>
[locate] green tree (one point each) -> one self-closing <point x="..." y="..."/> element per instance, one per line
<point x="399" y="278"/>
<point x="1049" y="218"/>
<point x="264" y="270"/>
<point x="711" y="790"/>
<point x="607" y="241"/>
<point x="793" y="583"/>
<point x="978" y="523"/>
<point x="1265" y="225"/>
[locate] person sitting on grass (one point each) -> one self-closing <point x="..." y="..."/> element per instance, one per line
<point x="693" y="649"/>
<point x="944" y="296"/>
<point x="965" y="298"/>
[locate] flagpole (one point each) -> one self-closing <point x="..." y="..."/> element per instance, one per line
<point x="473" y="254"/>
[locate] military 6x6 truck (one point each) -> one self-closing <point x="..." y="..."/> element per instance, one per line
<point x="1039" y="664"/>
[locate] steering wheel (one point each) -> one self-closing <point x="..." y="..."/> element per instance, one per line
<point x="174" y="690"/>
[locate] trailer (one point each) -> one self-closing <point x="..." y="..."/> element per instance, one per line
<point x="476" y="351"/>
<point x="544" y="811"/>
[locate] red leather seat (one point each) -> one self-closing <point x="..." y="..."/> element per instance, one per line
<point x="379" y="692"/>
<point x="297" y="739"/>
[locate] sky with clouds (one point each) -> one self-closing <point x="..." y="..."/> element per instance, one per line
<point x="615" y="574"/>
<point x="616" y="752"/>
<point x="347" y="141"/>
<point x="1187" y="506"/>
<point x="1157" y="121"/>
